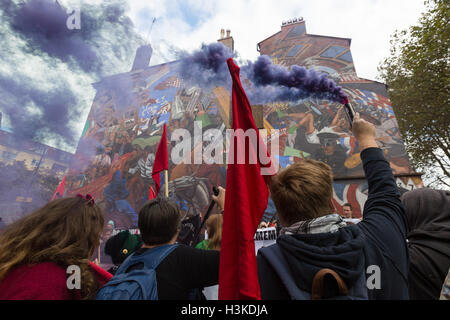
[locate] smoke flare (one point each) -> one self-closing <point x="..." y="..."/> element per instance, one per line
<point x="269" y="82"/>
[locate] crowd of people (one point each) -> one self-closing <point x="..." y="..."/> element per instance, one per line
<point x="398" y="250"/>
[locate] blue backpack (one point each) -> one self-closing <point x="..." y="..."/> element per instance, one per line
<point x="275" y="258"/>
<point x="137" y="284"/>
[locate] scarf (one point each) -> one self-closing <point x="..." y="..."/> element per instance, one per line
<point x="329" y="223"/>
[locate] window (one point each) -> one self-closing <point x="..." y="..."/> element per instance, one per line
<point x="294" y="50"/>
<point x="296" y="31"/>
<point x="58" y="168"/>
<point x="346" y="57"/>
<point x="34" y="162"/>
<point x="9" y="156"/>
<point x="333" y="51"/>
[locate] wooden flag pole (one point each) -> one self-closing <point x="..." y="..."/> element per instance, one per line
<point x="166" y="182"/>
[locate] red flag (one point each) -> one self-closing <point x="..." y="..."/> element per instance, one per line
<point x="59" y="192"/>
<point x="161" y="160"/>
<point x="245" y="202"/>
<point x="151" y="193"/>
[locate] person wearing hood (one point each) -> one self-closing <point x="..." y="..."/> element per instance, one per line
<point x="369" y="260"/>
<point x="121" y="246"/>
<point x="428" y="214"/>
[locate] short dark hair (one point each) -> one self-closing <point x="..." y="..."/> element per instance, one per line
<point x="159" y="221"/>
<point x="348" y="205"/>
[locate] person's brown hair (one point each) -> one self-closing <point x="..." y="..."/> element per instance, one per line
<point x="348" y="205"/>
<point x="214" y="227"/>
<point x="159" y="221"/>
<point x="302" y="191"/>
<point x="65" y="231"/>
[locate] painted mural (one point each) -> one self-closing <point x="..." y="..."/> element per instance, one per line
<point x="115" y="156"/>
<point x="319" y="130"/>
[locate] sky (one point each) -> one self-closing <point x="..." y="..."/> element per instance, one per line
<point x="46" y="72"/>
<point x="187" y="23"/>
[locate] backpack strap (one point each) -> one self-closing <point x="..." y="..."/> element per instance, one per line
<point x="317" y="285"/>
<point x="275" y="258"/>
<point x="151" y="259"/>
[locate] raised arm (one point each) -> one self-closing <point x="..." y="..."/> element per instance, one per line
<point x="384" y="197"/>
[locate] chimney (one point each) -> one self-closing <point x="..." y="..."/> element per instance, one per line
<point x="143" y="56"/>
<point x="222" y="33"/>
<point x="228" y="40"/>
<point x="290" y="22"/>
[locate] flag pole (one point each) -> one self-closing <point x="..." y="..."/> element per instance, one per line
<point x="166" y="184"/>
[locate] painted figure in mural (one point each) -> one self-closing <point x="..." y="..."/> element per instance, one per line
<point x="116" y="194"/>
<point x="122" y="145"/>
<point x="101" y="162"/>
<point x="307" y="121"/>
<point x="332" y="153"/>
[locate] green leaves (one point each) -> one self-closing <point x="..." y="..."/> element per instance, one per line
<point x="417" y="74"/>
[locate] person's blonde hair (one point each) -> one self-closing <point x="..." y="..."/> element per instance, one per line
<point x="302" y="191"/>
<point x="65" y="231"/>
<point x="214" y="228"/>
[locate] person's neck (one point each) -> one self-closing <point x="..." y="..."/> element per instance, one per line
<point x="146" y="246"/>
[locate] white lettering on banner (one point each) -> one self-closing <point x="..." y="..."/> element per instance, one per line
<point x="264" y="238"/>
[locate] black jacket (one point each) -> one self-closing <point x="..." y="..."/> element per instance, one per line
<point x="378" y="240"/>
<point x="428" y="214"/>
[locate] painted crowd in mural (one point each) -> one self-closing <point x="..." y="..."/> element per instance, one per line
<point x="115" y="155"/>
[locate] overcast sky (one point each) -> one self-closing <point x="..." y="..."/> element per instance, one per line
<point x="187" y="23"/>
<point x="46" y="68"/>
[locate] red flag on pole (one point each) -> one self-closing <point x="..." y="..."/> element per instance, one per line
<point x="161" y="160"/>
<point x="59" y="192"/>
<point x="151" y="193"/>
<point x="245" y="202"/>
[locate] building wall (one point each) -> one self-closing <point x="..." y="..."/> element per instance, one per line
<point x="21" y="186"/>
<point x="330" y="55"/>
<point x="10" y="155"/>
<point x="124" y="127"/>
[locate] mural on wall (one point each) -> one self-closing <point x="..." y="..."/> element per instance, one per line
<point x="319" y="130"/>
<point x="115" y="156"/>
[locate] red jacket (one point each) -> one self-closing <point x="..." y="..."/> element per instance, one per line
<point x="43" y="281"/>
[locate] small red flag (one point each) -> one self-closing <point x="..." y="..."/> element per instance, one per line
<point x="151" y="193"/>
<point x="59" y="192"/>
<point x="161" y="160"/>
<point x="245" y="202"/>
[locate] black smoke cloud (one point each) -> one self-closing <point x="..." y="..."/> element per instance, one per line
<point x="206" y="67"/>
<point x="43" y="24"/>
<point x="104" y="45"/>
<point x="289" y="85"/>
<point x="269" y="82"/>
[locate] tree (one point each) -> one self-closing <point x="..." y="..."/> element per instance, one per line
<point x="418" y="78"/>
